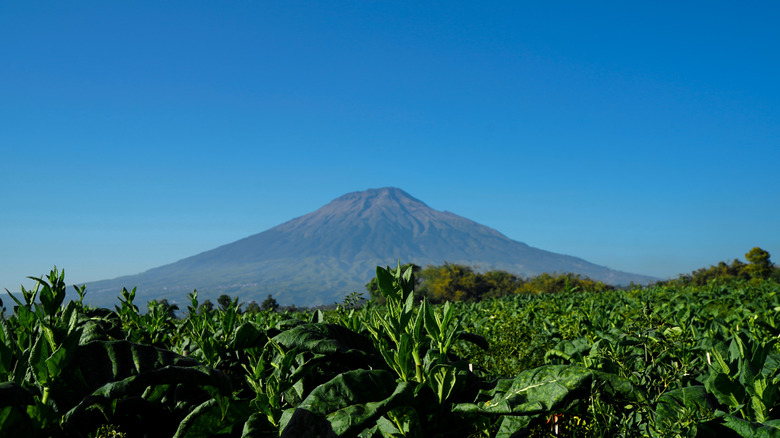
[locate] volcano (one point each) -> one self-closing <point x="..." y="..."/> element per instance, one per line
<point x="323" y="256"/>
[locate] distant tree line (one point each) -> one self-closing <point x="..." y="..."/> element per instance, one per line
<point x="454" y="282"/>
<point x="224" y="301"/>
<point x="758" y="267"/>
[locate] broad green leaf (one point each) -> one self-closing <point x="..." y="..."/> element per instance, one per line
<point x="749" y="429"/>
<point x="543" y="390"/>
<point x="385" y="281"/>
<point x="42" y="415"/>
<point x="724" y="367"/>
<point x="400" y="422"/>
<point x="38" y="355"/>
<point x="512" y="427"/>
<point x="672" y="332"/>
<point x="247" y="335"/>
<point x="451" y="334"/>
<point x="53" y="292"/>
<point x="105" y="397"/>
<point x="431" y="323"/>
<point x="102" y="373"/>
<point x="737" y="346"/>
<point x="570" y="350"/>
<point x="407" y="313"/>
<point x="347" y="404"/>
<point x="14" y="421"/>
<point x="760" y="410"/>
<point x="19" y="304"/>
<point x="442" y="380"/>
<point x="207" y="421"/>
<point x="318" y="316"/>
<point x="353" y="348"/>
<point x="447" y="316"/>
<point x="352" y="419"/>
<point x="755" y="354"/>
<point x="384" y="428"/>
<point x="404" y="359"/>
<point x="617" y="388"/>
<point x="407" y="275"/>
<point x="391" y="326"/>
<point x="258" y="426"/>
<point x="726" y="390"/>
<point x="388" y="355"/>
<point x="6" y="358"/>
<point x="532" y="392"/>
<point x="57" y="361"/>
<point x="771" y="366"/>
<point x="759" y="388"/>
<point x="680" y="405"/>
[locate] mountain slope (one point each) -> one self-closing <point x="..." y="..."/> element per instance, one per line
<point x="320" y="257"/>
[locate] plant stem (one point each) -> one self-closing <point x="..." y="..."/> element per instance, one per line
<point x="45" y="397"/>
<point x="417" y="364"/>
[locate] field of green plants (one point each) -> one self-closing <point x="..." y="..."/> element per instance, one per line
<point x="671" y="360"/>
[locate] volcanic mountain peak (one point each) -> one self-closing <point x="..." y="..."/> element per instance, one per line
<point x="383" y="198"/>
<point x="322" y="256"/>
<point x="370" y="208"/>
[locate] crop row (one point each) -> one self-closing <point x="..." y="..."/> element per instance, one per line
<point x="662" y="361"/>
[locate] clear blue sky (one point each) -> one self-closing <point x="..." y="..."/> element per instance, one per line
<point x="644" y="137"/>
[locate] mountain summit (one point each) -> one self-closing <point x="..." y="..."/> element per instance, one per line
<point x="320" y="257"/>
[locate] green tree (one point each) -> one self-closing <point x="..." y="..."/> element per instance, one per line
<point x="452" y="282"/>
<point x="759" y="264"/>
<point x="205" y="307"/>
<point x="170" y="309"/>
<point x="500" y="283"/>
<point x="270" y="304"/>
<point x="721" y="271"/>
<point x="252" y="307"/>
<point x="557" y="283"/>
<point x="224" y="301"/>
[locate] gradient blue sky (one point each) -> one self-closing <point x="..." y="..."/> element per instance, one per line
<point x="644" y="137"/>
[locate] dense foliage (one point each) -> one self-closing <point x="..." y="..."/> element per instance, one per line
<point x="699" y="358"/>
<point x="454" y="282"/>
<point x="669" y="360"/>
<point x="759" y="267"/>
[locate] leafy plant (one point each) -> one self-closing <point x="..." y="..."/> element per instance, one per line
<point x="670" y="360"/>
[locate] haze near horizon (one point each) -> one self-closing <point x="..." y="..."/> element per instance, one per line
<point x="639" y="137"/>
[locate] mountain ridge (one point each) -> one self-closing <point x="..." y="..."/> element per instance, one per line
<point x="324" y="255"/>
